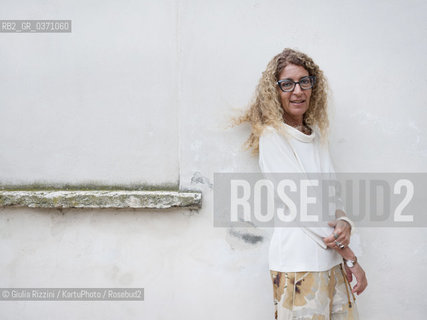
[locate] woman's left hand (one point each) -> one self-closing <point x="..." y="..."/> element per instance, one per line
<point x="342" y="230"/>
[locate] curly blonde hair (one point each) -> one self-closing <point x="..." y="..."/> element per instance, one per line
<point x="266" y="109"/>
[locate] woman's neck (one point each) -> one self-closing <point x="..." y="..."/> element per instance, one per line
<point x="298" y="124"/>
<point x="293" y="121"/>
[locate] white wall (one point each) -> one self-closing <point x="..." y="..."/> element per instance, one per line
<point x="372" y="54"/>
<point x="97" y="105"/>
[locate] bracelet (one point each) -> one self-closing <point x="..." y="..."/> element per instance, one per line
<point x="351" y="223"/>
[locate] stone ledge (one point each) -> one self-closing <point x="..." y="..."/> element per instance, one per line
<point x="118" y="199"/>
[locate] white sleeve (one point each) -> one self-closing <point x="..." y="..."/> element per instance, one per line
<point x="276" y="156"/>
<point x="338" y="199"/>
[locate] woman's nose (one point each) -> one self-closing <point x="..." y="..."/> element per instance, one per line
<point x="297" y="89"/>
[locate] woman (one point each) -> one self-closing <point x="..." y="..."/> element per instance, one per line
<point x="310" y="267"/>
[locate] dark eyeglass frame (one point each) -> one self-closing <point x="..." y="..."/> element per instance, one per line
<point x="312" y="81"/>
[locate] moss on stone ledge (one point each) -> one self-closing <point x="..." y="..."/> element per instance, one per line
<point x="89" y="186"/>
<point x="95" y="196"/>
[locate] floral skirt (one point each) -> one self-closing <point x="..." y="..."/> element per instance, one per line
<point x="324" y="295"/>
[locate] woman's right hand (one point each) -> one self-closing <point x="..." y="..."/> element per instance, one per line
<point x="360" y="275"/>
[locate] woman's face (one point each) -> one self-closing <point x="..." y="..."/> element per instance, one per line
<point x="294" y="103"/>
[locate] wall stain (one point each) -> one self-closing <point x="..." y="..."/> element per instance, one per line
<point x="198" y="178"/>
<point x="247" y="237"/>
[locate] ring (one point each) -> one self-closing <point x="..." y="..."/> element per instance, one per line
<point x="339" y="244"/>
<point x="336" y="236"/>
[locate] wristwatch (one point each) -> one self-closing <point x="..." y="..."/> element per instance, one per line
<point x="350" y="263"/>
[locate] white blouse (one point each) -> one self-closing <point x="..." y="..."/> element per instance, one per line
<point x="297" y="249"/>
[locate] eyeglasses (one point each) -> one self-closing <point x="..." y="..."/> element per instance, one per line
<point x="305" y="83"/>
